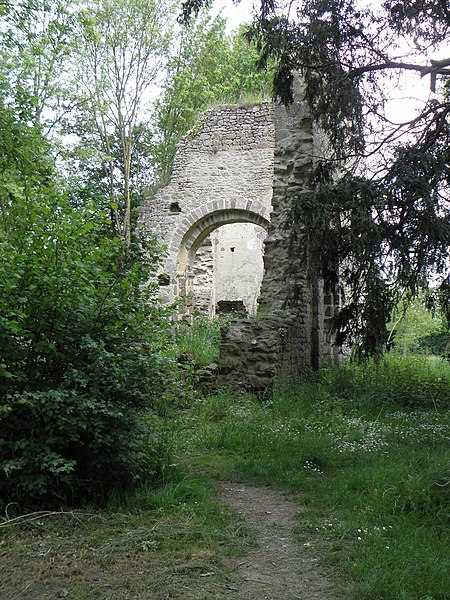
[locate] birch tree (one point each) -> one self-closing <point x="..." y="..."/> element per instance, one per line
<point x="123" y="47"/>
<point x="35" y="43"/>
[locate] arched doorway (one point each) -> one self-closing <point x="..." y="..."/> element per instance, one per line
<point x="229" y="249"/>
<point x="228" y="270"/>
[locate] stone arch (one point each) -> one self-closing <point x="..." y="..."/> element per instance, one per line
<point x="199" y="224"/>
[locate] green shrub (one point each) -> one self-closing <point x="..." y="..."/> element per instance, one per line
<point x="436" y="343"/>
<point x="82" y="343"/>
<point x="410" y="326"/>
<point x="64" y="447"/>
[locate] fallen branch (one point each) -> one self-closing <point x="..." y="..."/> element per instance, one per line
<point x="43" y="514"/>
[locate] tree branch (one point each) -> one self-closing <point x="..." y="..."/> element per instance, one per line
<point x="436" y="68"/>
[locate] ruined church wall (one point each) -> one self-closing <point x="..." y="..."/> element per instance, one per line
<point x="289" y="335"/>
<point x="246" y="164"/>
<point x="225" y="163"/>
<point x="279" y="342"/>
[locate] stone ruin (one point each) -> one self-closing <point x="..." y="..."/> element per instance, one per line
<point x="226" y="221"/>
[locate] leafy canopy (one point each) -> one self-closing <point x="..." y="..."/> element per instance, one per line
<point x="379" y="204"/>
<point x="81" y="338"/>
<point x="210" y="67"/>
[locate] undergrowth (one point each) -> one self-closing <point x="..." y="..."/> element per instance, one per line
<point x="402" y="380"/>
<point x="165" y="542"/>
<point x="365" y="447"/>
<point x="368" y="448"/>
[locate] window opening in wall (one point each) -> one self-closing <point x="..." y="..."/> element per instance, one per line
<point x="163" y="279"/>
<point x="175" y="207"/>
<point x="231" y="307"/>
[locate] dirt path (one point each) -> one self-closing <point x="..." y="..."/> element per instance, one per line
<point x="280" y="569"/>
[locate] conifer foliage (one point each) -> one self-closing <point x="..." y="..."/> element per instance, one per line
<point x="380" y="198"/>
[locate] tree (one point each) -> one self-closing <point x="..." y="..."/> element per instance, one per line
<point x="82" y="338"/>
<point x="82" y="335"/>
<point x="210" y="67"/>
<point x="412" y="324"/>
<point x="379" y="200"/>
<point x="91" y="179"/>
<point x="123" y="45"/>
<point x="36" y="42"/>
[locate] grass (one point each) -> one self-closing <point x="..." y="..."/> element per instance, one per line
<point x="402" y="380"/>
<point x="368" y="448"/>
<point x="365" y="447"/>
<point x="163" y="543"/>
<point x="199" y="342"/>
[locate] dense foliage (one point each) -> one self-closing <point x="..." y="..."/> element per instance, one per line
<point x="114" y="84"/>
<point x="380" y="203"/>
<point x="83" y="341"/>
<point x="80" y="338"/>
<point x="78" y="358"/>
<point x="122" y="47"/>
<point x="415" y="328"/>
<point x="387" y="218"/>
<point x="210" y="67"/>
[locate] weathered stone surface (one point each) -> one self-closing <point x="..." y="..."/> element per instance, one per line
<point x="242" y="165"/>
<point x="222" y="174"/>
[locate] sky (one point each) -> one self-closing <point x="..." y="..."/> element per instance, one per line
<point x="408" y="96"/>
<point x="242" y="13"/>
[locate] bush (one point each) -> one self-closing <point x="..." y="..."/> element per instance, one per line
<point x="65" y="448"/>
<point x="410" y="326"/>
<point x="436" y="343"/>
<point x="82" y="343"/>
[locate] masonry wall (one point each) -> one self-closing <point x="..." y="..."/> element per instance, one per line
<point x="248" y="164"/>
<point x="280" y="341"/>
<point x="290" y="334"/>
<point x="224" y="164"/>
<point x="203" y="281"/>
<point x="238" y="265"/>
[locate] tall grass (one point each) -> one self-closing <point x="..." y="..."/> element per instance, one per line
<point x="367" y="446"/>
<point x="200" y="340"/>
<point x="186" y="504"/>
<point x="405" y="380"/>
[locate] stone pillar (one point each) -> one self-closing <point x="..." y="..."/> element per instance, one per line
<point x="287" y="336"/>
<point x="185" y="284"/>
